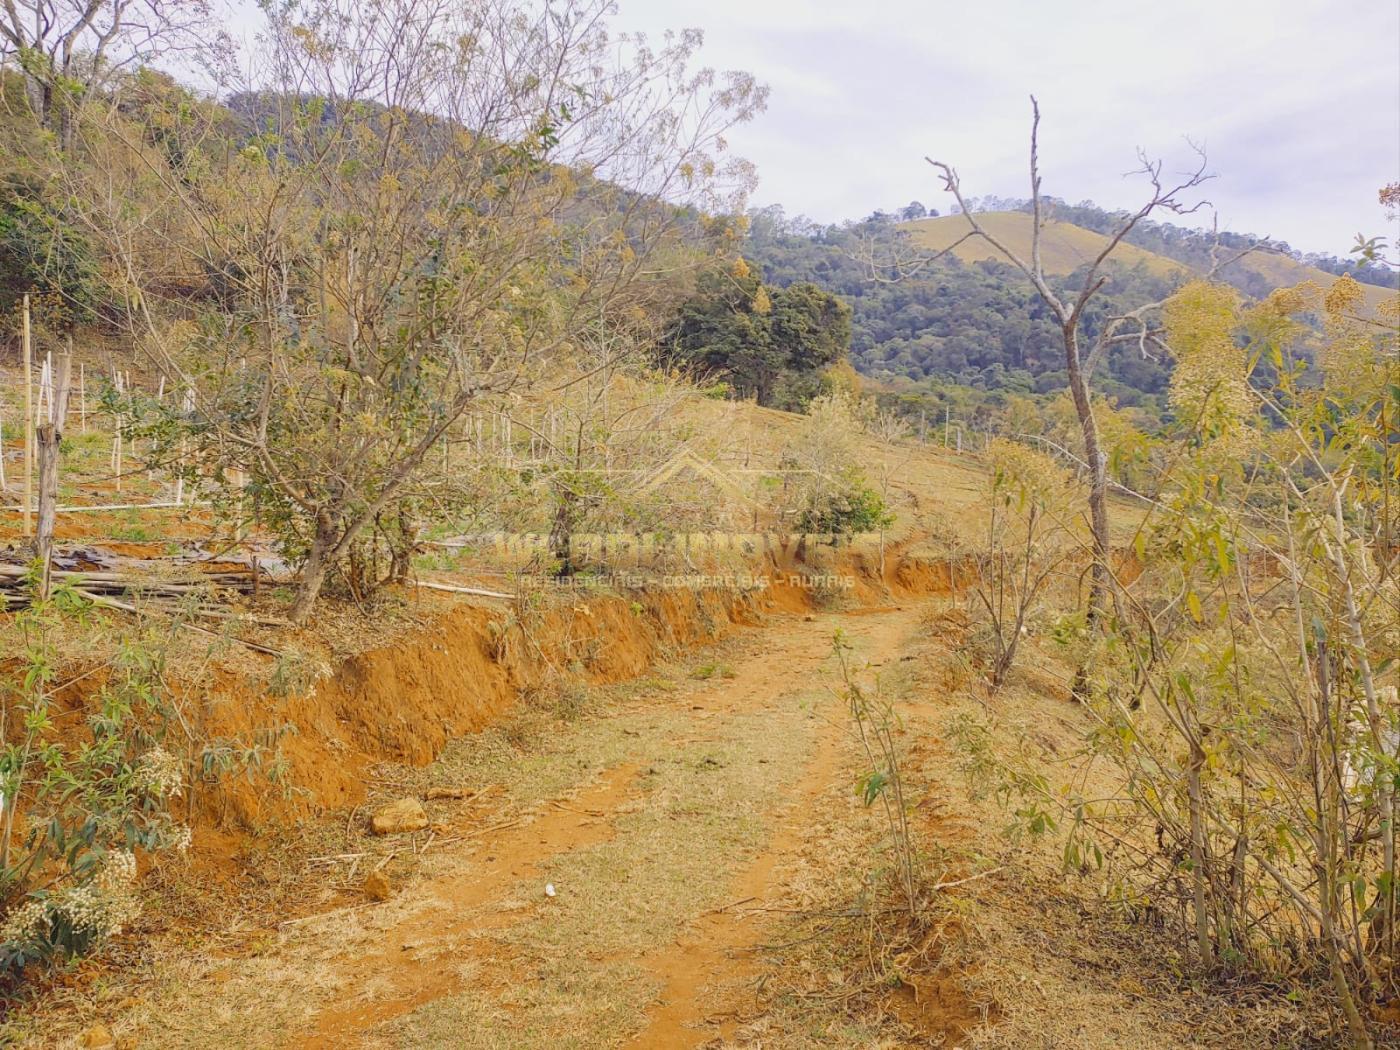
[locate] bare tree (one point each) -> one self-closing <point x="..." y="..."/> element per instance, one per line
<point x="68" y="48"/>
<point x="1068" y="309"/>
<point x="425" y="206"/>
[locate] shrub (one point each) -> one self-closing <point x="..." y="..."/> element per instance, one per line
<point x="846" y="509"/>
<point x="78" y="802"/>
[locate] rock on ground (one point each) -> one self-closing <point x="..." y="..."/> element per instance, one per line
<point x="397" y="817"/>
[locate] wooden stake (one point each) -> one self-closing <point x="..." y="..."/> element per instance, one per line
<point x="43" y="411"/>
<point x="236" y="476"/>
<point x="119" y="380"/>
<point x="82" y="390"/>
<point x="187" y="406"/>
<point x="28" y="422"/>
<point x="50" y="435"/>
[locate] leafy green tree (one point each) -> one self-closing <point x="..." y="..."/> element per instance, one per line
<point x="42" y="255"/>
<point x="810" y="329"/>
<point x="772" y="344"/>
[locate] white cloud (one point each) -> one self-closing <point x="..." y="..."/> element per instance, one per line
<point x="1298" y="102"/>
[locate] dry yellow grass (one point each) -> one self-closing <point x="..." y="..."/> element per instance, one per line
<point x="1065" y="247"/>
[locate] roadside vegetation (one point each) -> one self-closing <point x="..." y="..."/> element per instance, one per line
<point x="365" y="398"/>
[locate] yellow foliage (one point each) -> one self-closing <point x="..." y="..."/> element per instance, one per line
<point x="1343" y="297"/>
<point x="1208" y="387"/>
<point x="740" y="269"/>
<point x="842" y="378"/>
<point x="1354" y="359"/>
<point x="761" y="303"/>
<point x="1287" y="302"/>
<point x="1029" y="477"/>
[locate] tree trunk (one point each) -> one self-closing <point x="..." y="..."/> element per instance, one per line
<point x="40" y="98"/>
<point x="314" y="569"/>
<point x="401" y="553"/>
<point x="1198" y="856"/>
<point x="48" y="438"/>
<point x="1097" y="464"/>
<point x="561" y="546"/>
<point x="66" y="127"/>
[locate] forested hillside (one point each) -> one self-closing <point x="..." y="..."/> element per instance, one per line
<point x="971" y="324"/>
<point x="966" y="325"/>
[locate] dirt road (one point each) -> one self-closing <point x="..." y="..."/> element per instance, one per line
<point x="662" y="819"/>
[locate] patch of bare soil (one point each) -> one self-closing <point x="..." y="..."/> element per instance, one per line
<point x="410" y="963"/>
<point x="705" y="971"/>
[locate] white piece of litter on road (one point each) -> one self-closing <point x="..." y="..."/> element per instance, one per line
<point x="549" y="889"/>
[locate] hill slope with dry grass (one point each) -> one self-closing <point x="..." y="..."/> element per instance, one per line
<point x="1066" y="247"/>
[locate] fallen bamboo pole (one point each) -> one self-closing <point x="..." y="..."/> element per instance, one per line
<point x="79" y="507"/>
<point x="455" y="589"/>
<point x="102" y="576"/>
<point x="112" y="603"/>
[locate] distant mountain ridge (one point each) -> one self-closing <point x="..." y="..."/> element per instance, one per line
<point x="1066" y="246"/>
<point x="971" y="320"/>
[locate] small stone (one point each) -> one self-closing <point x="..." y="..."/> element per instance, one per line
<point x="98" y="1036"/>
<point x="446" y="792"/>
<point x="398" y="817"/>
<point x="377" y="886"/>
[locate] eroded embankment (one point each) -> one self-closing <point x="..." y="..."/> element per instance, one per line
<point x="404" y="701"/>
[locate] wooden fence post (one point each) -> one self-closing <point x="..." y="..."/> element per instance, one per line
<point x="117" y="453"/>
<point x="28" y="422"/>
<point x="187" y="407"/>
<point x="50" y="435"/>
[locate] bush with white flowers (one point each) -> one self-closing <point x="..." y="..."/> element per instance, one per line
<point x="74" y="812"/>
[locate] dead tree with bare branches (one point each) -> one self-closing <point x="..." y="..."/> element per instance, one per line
<point x="68" y="49"/>
<point x="1068" y="307"/>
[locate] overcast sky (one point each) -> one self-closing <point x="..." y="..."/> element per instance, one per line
<point x="1297" y="102"/>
